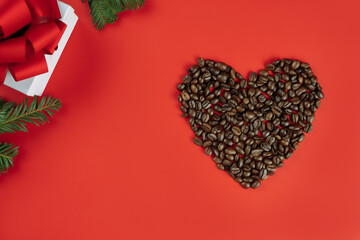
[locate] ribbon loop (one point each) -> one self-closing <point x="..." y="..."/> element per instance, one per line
<point x="14" y="15"/>
<point x="42" y="35"/>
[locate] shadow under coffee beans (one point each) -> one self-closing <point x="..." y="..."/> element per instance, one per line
<point x="250" y="126"/>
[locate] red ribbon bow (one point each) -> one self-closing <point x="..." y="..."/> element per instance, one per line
<point x="29" y="29"/>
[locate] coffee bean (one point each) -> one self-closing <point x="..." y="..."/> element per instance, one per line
<point x="185" y="96"/>
<point x="276" y="110"/>
<point x="256" y="152"/>
<point x="263" y="174"/>
<point x="252" y="77"/>
<point x="198" y="141"/>
<point x="222" y="66"/>
<point x="221" y="146"/>
<point x="250" y="115"/>
<point x="206" y="104"/>
<point x="263" y="73"/>
<point x="183" y="109"/>
<point x="243" y="83"/>
<point x="265" y="146"/>
<point x="271" y="168"/>
<point x="320" y="94"/>
<point x="236" y="130"/>
<point x="220" y="166"/>
<point x="217" y="160"/>
<point x="308" y="128"/>
<point x="232" y="74"/>
<point x="239" y="150"/>
<point x="181" y="86"/>
<point x="230" y="151"/>
<point x="205" y="117"/>
<point x="208" y="151"/>
<point x="248" y="179"/>
<point x="234" y="169"/>
<point x="201" y="62"/>
<point x="207" y="144"/>
<point x="255" y="184"/>
<point x="194" y="89"/>
<point x="206" y="127"/>
<point x="295" y="64"/>
<point x="212" y="137"/>
<point x="228" y="142"/>
<point x="245" y="185"/>
<point x="270" y="67"/>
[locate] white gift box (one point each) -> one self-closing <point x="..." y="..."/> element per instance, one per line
<point x="36" y="85"/>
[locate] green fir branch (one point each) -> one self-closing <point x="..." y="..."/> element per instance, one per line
<point x="15" y="118"/>
<point x="7" y="154"/>
<point x="106" y="11"/>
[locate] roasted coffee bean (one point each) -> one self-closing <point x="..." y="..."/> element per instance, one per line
<point x="308" y="128"/>
<point x="222" y="66"/>
<point x="245" y="185"/>
<point x="207" y="144"/>
<point x="250" y="115"/>
<point x="206" y="127"/>
<point x="295" y="64"/>
<point x="220" y="166"/>
<point x="268" y="162"/>
<point x="263" y="174"/>
<point x="194" y="89"/>
<point x="206" y="104"/>
<point x="183" y="109"/>
<point x="265" y="116"/>
<point x="228" y="142"/>
<point x="271" y="168"/>
<point x="252" y="77"/>
<point x="234" y="169"/>
<point x="217" y="160"/>
<point x="255" y="184"/>
<point x="201" y="62"/>
<point x="239" y="150"/>
<point x="256" y="152"/>
<point x="198" y="141"/>
<point x="270" y="67"/>
<point x="212" y="137"/>
<point x="236" y="130"/>
<point x="221" y="146"/>
<point x="230" y="151"/>
<point x="246" y="173"/>
<point x="185" y="96"/>
<point x="208" y="151"/>
<point x="276" y="110"/>
<point x="265" y="146"/>
<point x="320" y="94"/>
<point x="181" y="86"/>
<point x="205" y="117"/>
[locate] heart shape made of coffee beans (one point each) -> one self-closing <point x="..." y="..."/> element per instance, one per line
<point x="250" y="126"/>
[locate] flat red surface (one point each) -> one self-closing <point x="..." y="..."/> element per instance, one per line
<point x="118" y="161"/>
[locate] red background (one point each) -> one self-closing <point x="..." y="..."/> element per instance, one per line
<point x="118" y="161"/>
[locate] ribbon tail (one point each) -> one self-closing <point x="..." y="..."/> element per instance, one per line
<point x="33" y="66"/>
